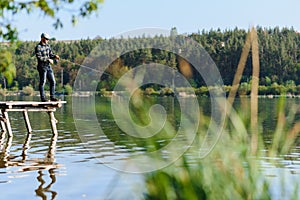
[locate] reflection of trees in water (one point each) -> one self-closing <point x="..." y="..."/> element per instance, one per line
<point x="40" y="164"/>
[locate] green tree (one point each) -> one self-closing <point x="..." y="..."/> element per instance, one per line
<point x="279" y="57"/>
<point x="50" y="8"/>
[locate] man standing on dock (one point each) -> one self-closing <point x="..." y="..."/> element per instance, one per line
<point x="45" y="58"/>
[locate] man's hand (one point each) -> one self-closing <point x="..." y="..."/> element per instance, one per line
<point x="51" y="61"/>
<point x="57" y="57"/>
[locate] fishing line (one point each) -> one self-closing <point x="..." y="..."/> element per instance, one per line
<point x="83" y="66"/>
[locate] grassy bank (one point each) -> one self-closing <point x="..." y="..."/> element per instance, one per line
<point x="273" y="90"/>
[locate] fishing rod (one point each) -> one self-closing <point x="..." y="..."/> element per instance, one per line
<point x="71" y="62"/>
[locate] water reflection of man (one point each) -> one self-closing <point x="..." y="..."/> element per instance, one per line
<point x="41" y="190"/>
<point x="48" y="163"/>
<point x="45" y="164"/>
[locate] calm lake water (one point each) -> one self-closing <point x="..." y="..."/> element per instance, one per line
<point x="68" y="166"/>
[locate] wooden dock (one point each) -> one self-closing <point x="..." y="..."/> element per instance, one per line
<point x="25" y="107"/>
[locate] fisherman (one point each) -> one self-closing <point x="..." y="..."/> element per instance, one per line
<point x="45" y="58"/>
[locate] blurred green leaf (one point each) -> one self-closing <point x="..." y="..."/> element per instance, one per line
<point x="7" y="67"/>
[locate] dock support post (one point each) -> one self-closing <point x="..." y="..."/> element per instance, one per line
<point x="8" y="126"/>
<point x="3" y="128"/>
<point x="2" y="122"/>
<point x="27" y="122"/>
<point x="53" y="122"/>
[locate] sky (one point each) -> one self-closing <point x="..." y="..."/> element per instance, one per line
<point x="188" y="16"/>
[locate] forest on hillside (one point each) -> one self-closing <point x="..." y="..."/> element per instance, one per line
<point x="278" y="51"/>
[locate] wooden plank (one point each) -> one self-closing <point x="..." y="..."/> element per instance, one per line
<point x="11" y="104"/>
<point x="31" y="102"/>
<point x="30" y="109"/>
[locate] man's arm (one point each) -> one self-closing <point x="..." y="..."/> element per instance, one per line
<point x="51" y="54"/>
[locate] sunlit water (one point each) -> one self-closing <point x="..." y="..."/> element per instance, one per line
<point x="46" y="166"/>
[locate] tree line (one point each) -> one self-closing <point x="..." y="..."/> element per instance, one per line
<point x="278" y="51"/>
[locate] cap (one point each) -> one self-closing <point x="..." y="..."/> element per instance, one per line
<point x="45" y="35"/>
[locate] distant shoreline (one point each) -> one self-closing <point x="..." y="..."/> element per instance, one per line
<point x="112" y="93"/>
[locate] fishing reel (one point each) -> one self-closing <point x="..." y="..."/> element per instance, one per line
<point x="55" y="61"/>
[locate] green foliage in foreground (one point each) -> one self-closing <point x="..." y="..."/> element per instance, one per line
<point x="7" y="67"/>
<point x="51" y="9"/>
<point x="229" y="172"/>
<point x="232" y="170"/>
